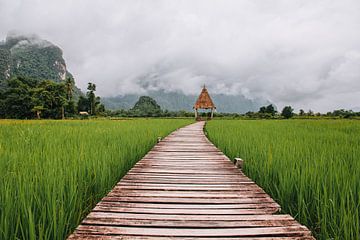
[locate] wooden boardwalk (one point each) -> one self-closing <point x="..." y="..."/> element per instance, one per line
<point x="185" y="188"/>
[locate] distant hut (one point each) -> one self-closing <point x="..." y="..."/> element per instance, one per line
<point x="204" y="102"/>
<point x="84" y="113"/>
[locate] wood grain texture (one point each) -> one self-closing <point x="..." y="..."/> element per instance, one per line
<point x="185" y="188"/>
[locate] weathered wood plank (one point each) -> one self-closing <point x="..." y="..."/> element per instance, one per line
<point x="102" y="208"/>
<point x="124" y="237"/>
<point x="183" y="224"/>
<point x="178" y="217"/>
<point x="187" y="194"/>
<point x="196" y="200"/>
<point x="189" y="206"/>
<point x="296" y="231"/>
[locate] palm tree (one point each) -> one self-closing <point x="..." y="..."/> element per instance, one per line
<point x="91" y="97"/>
<point x="69" y="88"/>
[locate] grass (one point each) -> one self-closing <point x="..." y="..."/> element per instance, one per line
<point x="310" y="167"/>
<point x="52" y="173"/>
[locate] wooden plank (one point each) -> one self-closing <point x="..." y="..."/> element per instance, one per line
<point x="185" y="188"/>
<point x="106" y="220"/>
<point x="187" y="175"/>
<point x="173" y="217"/>
<point x="200" y="232"/>
<point x="77" y="236"/>
<point x="188" y="187"/>
<point x="182" y="181"/>
<point x="103" y="208"/>
<point x="189" y="206"/>
<point x="155" y="199"/>
<point x="187" y="194"/>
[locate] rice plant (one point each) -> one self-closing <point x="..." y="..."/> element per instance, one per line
<point x="52" y="173"/>
<point x="310" y="167"/>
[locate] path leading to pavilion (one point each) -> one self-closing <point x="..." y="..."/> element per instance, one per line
<point x="185" y="188"/>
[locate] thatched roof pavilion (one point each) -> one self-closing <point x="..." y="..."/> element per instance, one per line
<point x="204" y="101"/>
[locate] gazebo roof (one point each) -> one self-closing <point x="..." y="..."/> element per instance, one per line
<point x="204" y="100"/>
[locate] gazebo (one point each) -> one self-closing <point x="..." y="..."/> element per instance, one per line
<point x="204" y="102"/>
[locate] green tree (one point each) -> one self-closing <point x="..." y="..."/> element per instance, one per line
<point x="91" y="97"/>
<point x="17" y="100"/>
<point x="69" y="85"/>
<point x="70" y="108"/>
<point x="301" y="112"/>
<point x="38" y="110"/>
<point x="25" y="96"/>
<point x="100" y="108"/>
<point x="270" y="109"/>
<point x="262" y="109"/>
<point x="287" y="112"/>
<point x="146" y="107"/>
<point x="53" y="97"/>
<point x="83" y="104"/>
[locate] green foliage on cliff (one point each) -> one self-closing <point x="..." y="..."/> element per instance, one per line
<point x="29" y="56"/>
<point x="4" y="63"/>
<point x="35" y="62"/>
<point x="146" y="106"/>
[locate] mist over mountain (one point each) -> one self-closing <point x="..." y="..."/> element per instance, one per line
<point x="355" y="109"/>
<point x="31" y="56"/>
<point x="175" y="101"/>
<point x="28" y="55"/>
<point x="158" y="84"/>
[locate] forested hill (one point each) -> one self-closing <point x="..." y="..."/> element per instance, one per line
<point x="175" y="101"/>
<point x="31" y="56"/>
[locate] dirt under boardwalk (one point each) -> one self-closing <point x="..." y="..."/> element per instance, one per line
<point x="185" y="188"/>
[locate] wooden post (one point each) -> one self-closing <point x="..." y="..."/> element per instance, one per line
<point x="239" y="163"/>
<point x="196" y="113"/>
<point x="212" y="113"/>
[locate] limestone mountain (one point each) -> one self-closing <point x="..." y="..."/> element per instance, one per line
<point x="31" y="56"/>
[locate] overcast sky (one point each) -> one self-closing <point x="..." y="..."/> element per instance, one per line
<point x="303" y="53"/>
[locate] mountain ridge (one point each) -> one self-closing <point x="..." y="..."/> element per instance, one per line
<point x="177" y="101"/>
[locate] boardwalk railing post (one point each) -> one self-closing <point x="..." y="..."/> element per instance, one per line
<point x="239" y="163"/>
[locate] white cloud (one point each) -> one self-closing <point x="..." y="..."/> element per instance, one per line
<point x="303" y="53"/>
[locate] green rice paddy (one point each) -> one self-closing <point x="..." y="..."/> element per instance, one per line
<point x="52" y="173"/>
<point x="310" y="167"/>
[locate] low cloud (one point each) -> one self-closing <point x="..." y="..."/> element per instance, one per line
<point x="302" y="53"/>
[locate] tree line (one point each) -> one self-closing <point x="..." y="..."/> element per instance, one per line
<point x="26" y="98"/>
<point x="288" y="112"/>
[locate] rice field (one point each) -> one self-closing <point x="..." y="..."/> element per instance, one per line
<point x="310" y="167"/>
<point x="52" y="173"/>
